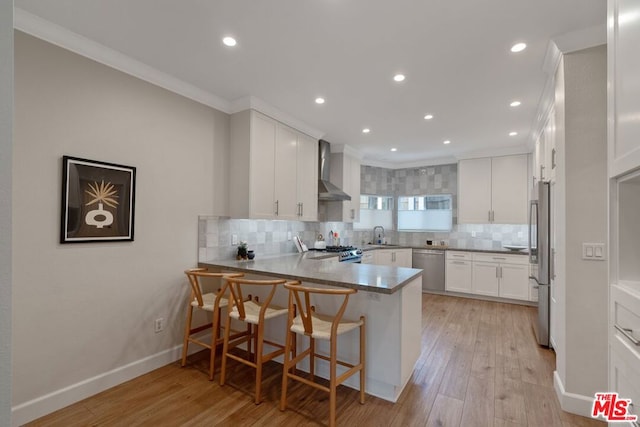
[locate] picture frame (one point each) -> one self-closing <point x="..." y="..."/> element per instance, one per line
<point x="98" y="201"/>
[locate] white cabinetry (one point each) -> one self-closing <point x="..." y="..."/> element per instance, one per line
<point x="393" y="257"/>
<point x="623" y="71"/>
<point x="493" y="190"/>
<point x="345" y="173"/>
<point x="495" y="275"/>
<point x="273" y="172"/>
<point x="458" y="271"/>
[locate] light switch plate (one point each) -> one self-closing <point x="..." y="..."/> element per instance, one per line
<point x="234" y="239"/>
<point x="594" y="252"/>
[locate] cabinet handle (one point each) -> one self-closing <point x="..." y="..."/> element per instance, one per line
<point x="553" y="158"/>
<point x="497" y="276"/>
<point x="500" y="272"/>
<point x="301" y="209"/>
<point x="393" y="256"/>
<point x="459" y="262"/>
<point x="489" y="219"/>
<point x="497" y="257"/>
<point x="277" y="207"/>
<point x="353" y="213"/>
<point x="541" y="172"/>
<point x="627" y="333"/>
<point x="493" y="216"/>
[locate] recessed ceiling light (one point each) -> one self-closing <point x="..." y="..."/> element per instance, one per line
<point x="446" y="142"/>
<point x="513" y="133"/>
<point x="515" y="103"/>
<point x="229" y="41"/>
<point x="518" y="47"/>
<point x="319" y="100"/>
<point x="366" y="130"/>
<point x="394" y="149"/>
<point x="399" y="77"/>
<point x="428" y="117"/>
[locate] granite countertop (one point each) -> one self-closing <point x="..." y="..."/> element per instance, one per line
<point x="309" y="267"/>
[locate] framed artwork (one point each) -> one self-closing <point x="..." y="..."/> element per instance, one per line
<point x="97" y="201"/>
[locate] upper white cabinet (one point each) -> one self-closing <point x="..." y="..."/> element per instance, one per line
<point x="273" y="171"/>
<point x="623" y="36"/>
<point x="345" y="173"/>
<point x="493" y="190"/>
<point x="307" y="180"/>
<point x="544" y="156"/>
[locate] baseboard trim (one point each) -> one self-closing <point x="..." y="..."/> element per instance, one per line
<point x="571" y="402"/>
<point x="51" y="402"/>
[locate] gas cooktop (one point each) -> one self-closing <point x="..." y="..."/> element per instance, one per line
<point x="345" y="253"/>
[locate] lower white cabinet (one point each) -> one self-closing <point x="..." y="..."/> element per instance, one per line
<point x="496" y="275"/>
<point x="485" y="278"/>
<point x="624" y="359"/>
<point x="458" y="271"/>
<point x="393" y="257"/>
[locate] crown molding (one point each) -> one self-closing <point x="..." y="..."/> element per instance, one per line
<point x="48" y="31"/>
<point x="582" y="39"/>
<point x="413" y="164"/>
<point x="253" y="103"/>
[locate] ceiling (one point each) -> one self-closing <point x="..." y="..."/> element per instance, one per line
<point x="455" y="55"/>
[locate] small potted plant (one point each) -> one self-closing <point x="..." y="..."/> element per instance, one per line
<point x="242" y="250"/>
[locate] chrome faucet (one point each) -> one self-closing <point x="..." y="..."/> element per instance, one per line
<point x="378" y="238"/>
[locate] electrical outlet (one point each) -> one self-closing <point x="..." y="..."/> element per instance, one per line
<point x="289" y="237"/>
<point x="374" y="296"/>
<point x="520" y="234"/>
<point x="234" y="239"/>
<point x="159" y="325"/>
<point x="473" y="234"/>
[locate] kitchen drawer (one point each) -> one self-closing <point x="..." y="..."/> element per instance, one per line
<point x="624" y="379"/>
<point x="625" y="314"/>
<point x="502" y="259"/>
<point x="458" y="255"/>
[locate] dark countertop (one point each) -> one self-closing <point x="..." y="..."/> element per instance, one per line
<point x="310" y="267"/>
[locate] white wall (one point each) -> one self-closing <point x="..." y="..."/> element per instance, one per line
<point x="582" y="353"/>
<point x="6" y="137"/>
<point x="83" y="310"/>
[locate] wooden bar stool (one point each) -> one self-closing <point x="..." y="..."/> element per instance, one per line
<point x="212" y="302"/>
<point x="254" y="314"/>
<point x="324" y="327"/>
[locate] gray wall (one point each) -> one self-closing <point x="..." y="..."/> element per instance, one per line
<point x="586" y="204"/>
<point x="581" y="287"/>
<point x="94" y="305"/>
<point x="6" y="142"/>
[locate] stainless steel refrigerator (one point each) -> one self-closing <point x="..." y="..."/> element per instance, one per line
<point x="541" y="257"/>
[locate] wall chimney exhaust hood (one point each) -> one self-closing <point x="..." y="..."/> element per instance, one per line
<point x="326" y="190"/>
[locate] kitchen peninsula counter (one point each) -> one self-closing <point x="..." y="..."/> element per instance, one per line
<point x="389" y="297"/>
<point x="315" y="267"/>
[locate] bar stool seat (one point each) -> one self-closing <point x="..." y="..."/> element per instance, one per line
<point x="321" y="326"/>
<point x="252" y="312"/>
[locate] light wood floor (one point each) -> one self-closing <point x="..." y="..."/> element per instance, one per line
<point x="480" y="366"/>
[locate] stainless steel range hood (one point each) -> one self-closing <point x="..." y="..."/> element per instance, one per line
<point x="327" y="190"/>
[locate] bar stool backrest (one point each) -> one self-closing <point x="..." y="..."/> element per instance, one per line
<point x="195" y="274"/>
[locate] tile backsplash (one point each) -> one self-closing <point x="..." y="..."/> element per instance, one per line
<point x="267" y="237"/>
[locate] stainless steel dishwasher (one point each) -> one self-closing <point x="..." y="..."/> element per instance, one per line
<point x="431" y="261"/>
